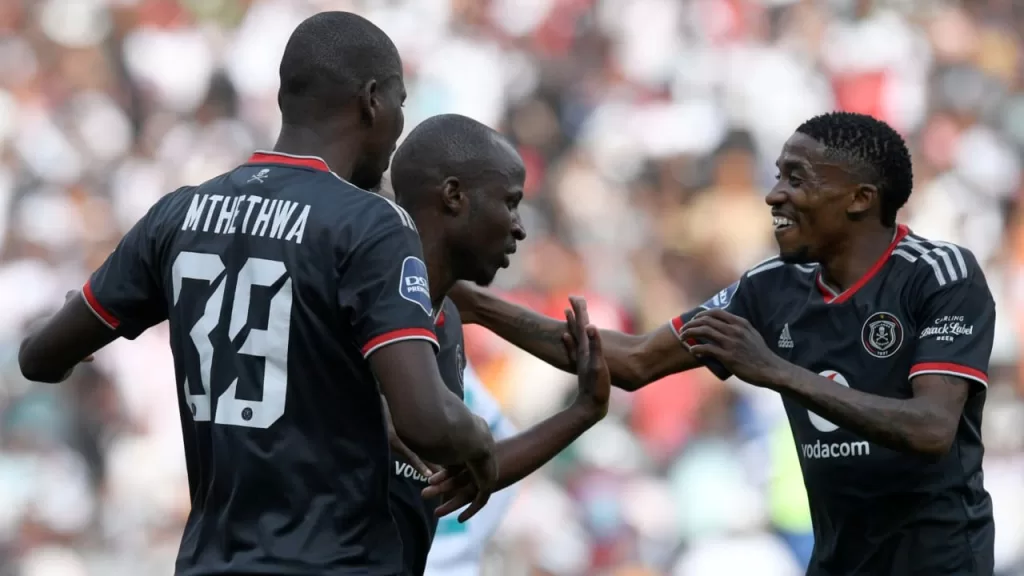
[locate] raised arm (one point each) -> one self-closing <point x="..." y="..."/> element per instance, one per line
<point x="122" y="298"/>
<point x="633" y="360"/>
<point x="522" y="454"/>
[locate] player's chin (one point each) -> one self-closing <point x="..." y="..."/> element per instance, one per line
<point x="369" y="180"/>
<point x="486" y="277"/>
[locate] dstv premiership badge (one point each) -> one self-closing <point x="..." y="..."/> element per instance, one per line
<point x="882" y="334"/>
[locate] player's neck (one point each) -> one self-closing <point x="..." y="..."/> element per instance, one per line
<point x="440" y="272"/>
<point x="856" y="257"/>
<point x="339" y="154"/>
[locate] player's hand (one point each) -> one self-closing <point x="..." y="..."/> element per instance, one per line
<point x="462" y="294"/>
<point x="732" y="341"/>
<point x="399" y="447"/>
<point x="470" y="483"/>
<point x="583" y="345"/>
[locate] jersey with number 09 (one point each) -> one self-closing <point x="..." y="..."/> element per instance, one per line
<point x="924" y="308"/>
<point x="278" y="279"/>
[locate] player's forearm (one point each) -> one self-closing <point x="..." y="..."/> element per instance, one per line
<point x="522" y="454"/>
<point x="541" y="336"/>
<point x="906" y="425"/>
<point x="462" y="436"/>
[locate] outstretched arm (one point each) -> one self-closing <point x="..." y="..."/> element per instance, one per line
<point x="633" y="360"/>
<point x="521" y="455"/>
<point x="51" y="350"/>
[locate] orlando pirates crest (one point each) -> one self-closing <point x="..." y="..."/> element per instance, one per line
<point x="882" y="334"/>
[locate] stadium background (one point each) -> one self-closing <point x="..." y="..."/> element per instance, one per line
<point x="649" y="128"/>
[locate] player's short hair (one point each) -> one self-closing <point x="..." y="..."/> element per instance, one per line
<point x="872" y="146"/>
<point x="440" y="146"/>
<point x="328" y="58"/>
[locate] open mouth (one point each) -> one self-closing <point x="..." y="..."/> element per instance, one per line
<point x="781" y="223"/>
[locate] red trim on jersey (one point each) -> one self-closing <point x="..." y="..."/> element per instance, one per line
<point x="439" y="321"/>
<point x="97" y="309"/>
<point x="398" y="336"/>
<point x="288" y="160"/>
<point x="677" y="327"/>
<point x="832" y="298"/>
<point x="949" y="368"/>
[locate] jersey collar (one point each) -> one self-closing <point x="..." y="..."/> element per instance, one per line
<point x="311" y="162"/>
<point x="833" y="297"/>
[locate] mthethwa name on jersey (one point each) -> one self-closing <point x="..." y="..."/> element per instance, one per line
<point x="247" y="214"/>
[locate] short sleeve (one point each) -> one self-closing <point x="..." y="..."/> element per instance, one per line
<point x="955" y="320"/>
<point x="735" y="299"/>
<point x="384" y="286"/>
<point x="125" y="292"/>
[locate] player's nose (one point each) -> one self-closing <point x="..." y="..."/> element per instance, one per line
<point x="775" y="197"/>
<point x="518" y="232"/>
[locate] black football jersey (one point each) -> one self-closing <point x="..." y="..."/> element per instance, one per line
<point x="413" y="513"/>
<point x="924" y="308"/>
<point x="278" y="279"/>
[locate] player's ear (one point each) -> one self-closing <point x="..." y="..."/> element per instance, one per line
<point x="865" y="196"/>
<point x="369" y="101"/>
<point x="453" y="195"/>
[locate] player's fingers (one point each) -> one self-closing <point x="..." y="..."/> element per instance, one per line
<point x="452" y="484"/>
<point x="700" y="334"/>
<point x="413" y="459"/>
<point x="596" y="350"/>
<point x="579" y="307"/>
<point x="478" y="503"/>
<point x="456" y="502"/>
<point x="571" y="323"/>
<point x="703" y="350"/>
<point x="570" y="346"/>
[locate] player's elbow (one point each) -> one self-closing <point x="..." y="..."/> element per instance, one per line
<point x="34" y="366"/>
<point x="934" y="439"/>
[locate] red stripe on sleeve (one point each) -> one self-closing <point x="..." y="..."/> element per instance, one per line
<point x="949" y="368"/>
<point x="97" y="309"/>
<point x="398" y="336"/>
<point x="677" y="327"/>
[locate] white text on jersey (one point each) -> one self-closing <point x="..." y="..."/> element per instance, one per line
<point x="250" y="214"/>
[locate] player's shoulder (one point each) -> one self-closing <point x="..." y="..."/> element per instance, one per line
<point x="448" y="326"/>
<point x="452" y="317"/>
<point x="936" y="262"/>
<point x="775" y="269"/>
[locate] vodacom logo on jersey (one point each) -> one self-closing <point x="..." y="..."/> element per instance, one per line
<point x="822" y="450"/>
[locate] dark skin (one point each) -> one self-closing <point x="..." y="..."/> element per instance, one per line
<point x="524" y="453"/>
<point x="356" y="139"/>
<point x="836" y="222"/>
<point x="469" y="226"/>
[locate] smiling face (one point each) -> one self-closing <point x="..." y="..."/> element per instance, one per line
<point x="816" y="200"/>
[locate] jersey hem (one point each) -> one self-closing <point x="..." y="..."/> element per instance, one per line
<point x="949" y="369"/>
<point x="98" y="310"/>
<point x="398" y="336"/>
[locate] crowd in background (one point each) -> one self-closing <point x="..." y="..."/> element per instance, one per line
<point x="649" y="129"/>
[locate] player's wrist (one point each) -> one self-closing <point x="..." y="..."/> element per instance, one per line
<point x="778" y="375"/>
<point x="589" y="409"/>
